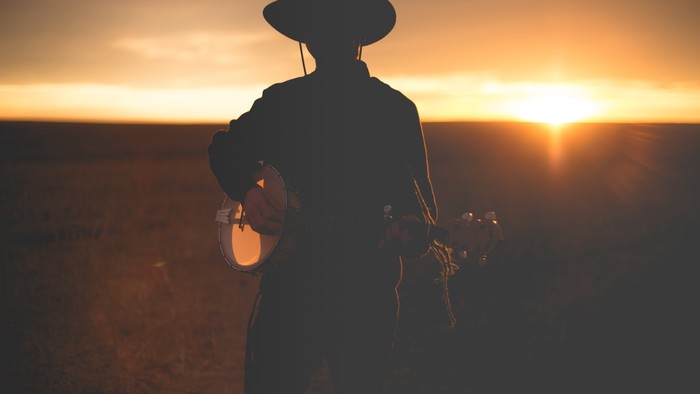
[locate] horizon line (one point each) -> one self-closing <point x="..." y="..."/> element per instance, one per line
<point x="146" y="121"/>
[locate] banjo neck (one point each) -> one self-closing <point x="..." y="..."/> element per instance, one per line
<point x="297" y="222"/>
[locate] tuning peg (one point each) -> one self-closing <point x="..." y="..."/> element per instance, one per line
<point x="483" y="260"/>
<point x="387" y="211"/>
<point x="491" y="215"/>
<point x="468" y="217"/>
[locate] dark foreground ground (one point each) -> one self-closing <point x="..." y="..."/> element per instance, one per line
<point x="112" y="281"/>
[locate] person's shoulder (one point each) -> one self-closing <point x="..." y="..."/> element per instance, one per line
<point x="282" y="88"/>
<point x="392" y="94"/>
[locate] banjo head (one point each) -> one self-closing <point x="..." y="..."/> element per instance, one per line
<point x="242" y="247"/>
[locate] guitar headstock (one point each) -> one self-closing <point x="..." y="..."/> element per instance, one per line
<point x="470" y="238"/>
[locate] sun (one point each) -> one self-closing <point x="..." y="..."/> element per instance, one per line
<point x="553" y="104"/>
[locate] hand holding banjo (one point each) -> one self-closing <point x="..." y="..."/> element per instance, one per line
<point x="264" y="215"/>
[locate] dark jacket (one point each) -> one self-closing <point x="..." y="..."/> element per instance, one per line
<point x="344" y="140"/>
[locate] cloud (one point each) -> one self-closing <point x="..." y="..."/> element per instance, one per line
<point x="221" y="49"/>
<point x="169" y="43"/>
<point x="111" y="42"/>
<point x="98" y="102"/>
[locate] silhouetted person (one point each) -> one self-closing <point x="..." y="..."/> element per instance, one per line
<point x="351" y="145"/>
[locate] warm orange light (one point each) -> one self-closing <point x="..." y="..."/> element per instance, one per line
<point x="554" y="104"/>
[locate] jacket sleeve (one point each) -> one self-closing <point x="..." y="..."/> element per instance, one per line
<point x="416" y="154"/>
<point x="234" y="154"/>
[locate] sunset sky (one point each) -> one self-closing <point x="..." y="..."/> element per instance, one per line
<point x="193" y="61"/>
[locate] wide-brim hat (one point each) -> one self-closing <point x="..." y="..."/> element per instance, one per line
<point x="365" y="20"/>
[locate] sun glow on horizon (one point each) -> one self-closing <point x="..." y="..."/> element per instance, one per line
<point x="554" y="104"/>
<point x="449" y="97"/>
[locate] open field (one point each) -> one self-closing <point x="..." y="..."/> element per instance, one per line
<point x="112" y="280"/>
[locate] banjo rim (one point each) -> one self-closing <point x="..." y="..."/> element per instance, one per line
<point x="229" y="256"/>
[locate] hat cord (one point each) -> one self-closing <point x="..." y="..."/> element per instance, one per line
<point x="303" y="63"/>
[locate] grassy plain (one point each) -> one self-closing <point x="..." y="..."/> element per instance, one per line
<point x="112" y="280"/>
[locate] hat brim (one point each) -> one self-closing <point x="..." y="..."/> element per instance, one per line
<point x="366" y="21"/>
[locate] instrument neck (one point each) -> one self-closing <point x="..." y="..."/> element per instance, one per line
<point x="298" y="222"/>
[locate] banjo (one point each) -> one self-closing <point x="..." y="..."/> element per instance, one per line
<point x="249" y="251"/>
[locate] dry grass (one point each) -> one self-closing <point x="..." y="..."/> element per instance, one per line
<point x="112" y="281"/>
<point x="124" y="288"/>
